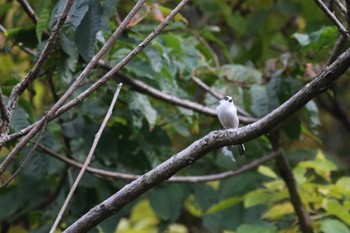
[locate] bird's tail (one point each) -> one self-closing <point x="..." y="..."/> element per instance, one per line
<point x="241" y="150"/>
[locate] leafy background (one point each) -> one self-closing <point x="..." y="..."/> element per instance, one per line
<point x="259" y="52"/>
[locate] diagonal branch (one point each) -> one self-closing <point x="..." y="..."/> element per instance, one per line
<point x="334" y="19"/>
<point x="49" y="114"/>
<point x="210" y="142"/>
<point x="341" y="7"/>
<point x="52" y="113"/>
<point x="219" y="96"/>
<point x="48" y="49"/>
<point x="88" y="159"/>
<point x="347" y="2"/>
<point x="29" y="10"/>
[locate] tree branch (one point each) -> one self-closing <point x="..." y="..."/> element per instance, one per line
<point x="5" y="120"/>
<point x="29" y="10"/>
<point x="334" y="19"/>
<point x="288" y="177"/>
<point x="220" y="96"/>
<point x="347" y="2"/>
<point x="341" y="7"/>
<point x="210" y="142"/>
<point x="50" y="113"/>
<point x="48" y="49"/>
<point x="88" y="159"/>
<point x="174" y="179"/>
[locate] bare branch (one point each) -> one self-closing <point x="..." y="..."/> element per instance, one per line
<point x="341" y="7"/>
<point x="334" y="19"/>
<point x="174" y="179"/>
<point x="49" y="47"/>
<point x="210" y="142"/>
<point x="347" y="2"/>
<point x="50" y="114"/>
<point x="88" y="159"/>
<point x="5" y="120"/>
<point x="25" y="160"/>
<point x="288" y="177"/>
<point x="29" y="10"/>
<point x="207" y="88"/>
<point x="220" y="96"/>
<point x="336" y="49"/>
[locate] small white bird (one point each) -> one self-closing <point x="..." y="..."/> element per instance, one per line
<point x="227" y="114"/>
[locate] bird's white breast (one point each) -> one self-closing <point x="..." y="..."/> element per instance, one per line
<point x="227" y="114"/>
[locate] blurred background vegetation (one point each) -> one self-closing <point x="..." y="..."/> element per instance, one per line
<point x="259" y="52"/>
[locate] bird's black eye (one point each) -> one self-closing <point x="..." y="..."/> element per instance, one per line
<point x="230" y="100"/>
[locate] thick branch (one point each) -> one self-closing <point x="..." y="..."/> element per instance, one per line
<point x="210" y="142"/>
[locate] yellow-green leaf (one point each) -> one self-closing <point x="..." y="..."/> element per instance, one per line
<point x="256" y="197"/>
<point x="266" y="171"/>
<point x="278" y="211"/>
<point x="222" y="205"/>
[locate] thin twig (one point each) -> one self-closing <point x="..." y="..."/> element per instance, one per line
<point x="334" y="19"/>
<point x="48" y="49"/>
<point x="341" y="7"/>
<point x="337" y="48"/>
<point x="5" y="120"/>
<point x="174" y="179"/>
<point x="219" y="96"/>
<point x="29" y="10"/>
<point x="51" y="113"/>
<point x="207" y="88"/>
<point x="88" y="159"/>
<point x="347" y="2"/>
<point x="28" y="156"/>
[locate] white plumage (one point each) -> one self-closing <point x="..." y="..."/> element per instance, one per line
<point x="227" y="114"/>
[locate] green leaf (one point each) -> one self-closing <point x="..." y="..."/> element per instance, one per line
<point x="38" y="166"/>
<point x="168" y="201"/>
<point x="260" y="105"/>
<point x="224" y="204"/>
<point x="19" y="119"/>
<point x="278" y="211"/>
<point x="68" y="60"/>
<point x="75" y="15"/>
<point x="344" y="182"/>
<point x="320" y="165"/>
<point x="256" y="228"/>
<point x="239" y="73"/>
<point x="266" y="171"/>
<point x="335" y="208"/>
<point x="256" y="197"/>
<point x="333" y="225"/>
<point x="74" y="129"/>
<point x="43" y="19"/>
<point x="141" y="107"/>
<point x="85" y="37"/>
<point x="292" y="127"/>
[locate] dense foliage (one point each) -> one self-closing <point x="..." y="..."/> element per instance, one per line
<point x="259" y="52"/>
